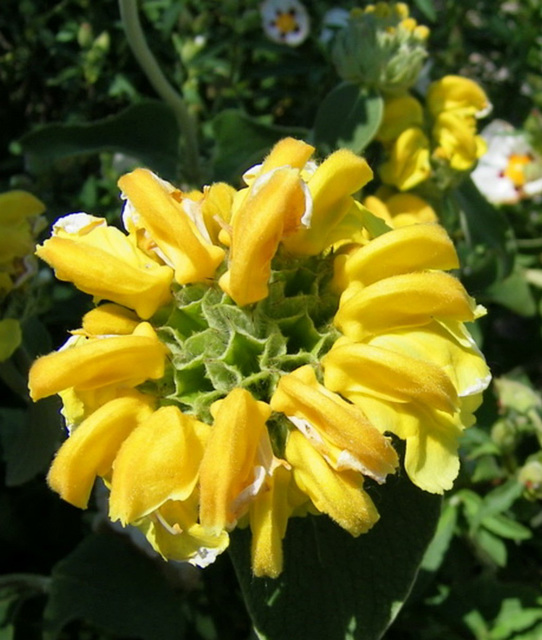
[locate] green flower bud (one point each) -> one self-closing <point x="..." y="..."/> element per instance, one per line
<point x="381" y="47"/>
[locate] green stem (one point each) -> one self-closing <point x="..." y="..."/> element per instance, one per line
<point x="147" y="61"/>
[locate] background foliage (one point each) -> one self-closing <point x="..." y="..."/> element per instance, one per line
<point x="77" y="112"/>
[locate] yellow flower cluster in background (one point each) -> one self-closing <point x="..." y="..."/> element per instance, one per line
<point x="249" y="357"/>
<point x="20" y="221"/>
<point x="437" y="140"/>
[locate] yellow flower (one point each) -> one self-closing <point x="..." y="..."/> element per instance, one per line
<point x="147" y="470"/>
<point x="294" y="342"/>
<point x="20" y="220"/>
<point x="401" y="209"/>
<point x="165" y="215"/>
<point x="92" y="363"/>
<point x="334" y="427"/>
<point x="231" y="474"/>
<point x="92" y="447"/>
<point x="10" y="337"/>
<point x="459" y="95"/>
<point x="102" y="261"/>
<point x="457" y="142"/>
<point x="408" y="163"/>
<point x="400" y="113"/>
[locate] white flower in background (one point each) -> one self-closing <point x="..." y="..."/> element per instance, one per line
<point x="334" y="19"/>
<point x="285" y="21"/>
<point x="511" y="169"/>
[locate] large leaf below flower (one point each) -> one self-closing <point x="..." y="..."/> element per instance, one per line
<point x="349" y="117"/>
<point x="337" y="587"/>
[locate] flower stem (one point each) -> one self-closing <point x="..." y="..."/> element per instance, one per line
<point x="148" y="63"/>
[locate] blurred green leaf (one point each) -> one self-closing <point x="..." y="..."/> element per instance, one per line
<point x="506" y="528"/>
<point x="514" y="394"/>
<point x="112" y="585"/>
<point x="513" y="618"/>
<point x="242" y="141"/>
<point x="349" y="116"/>
<point x="29" y="439"/>
<point x="438" y="546"/>
<point x="427" y="7"/>
<point x="147" y="131"/>
<point x="355" y="586"/>
<point x="488" y="251"/>
<point x="491" y="547"/>
<point x="514" y="293"/>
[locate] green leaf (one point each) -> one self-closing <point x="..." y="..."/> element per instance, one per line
<point x="488" y="252"/>
<point x="441" y="541"/>
<point x="514" y="293"/>
<point x="427" y="7"/>
<point x="112" y="585"/>
<point x="242" y="141"/>
<point x="498" y="501"/>
<point x="349" y="116"/>
<point x="490" y="547"/>
<point x="335" y="586"/>
<point x="506" y="528"/>
<point x="29" y="439"/>
<point x="147" y="131"/>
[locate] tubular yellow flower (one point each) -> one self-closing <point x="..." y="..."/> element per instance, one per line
<point x="273" y="208"/>
<point x="339" y="494"/>
<point x="228" y="470"/>
<point x="456" y="140"/>
<point x="91" y="448"/>
<point x="121" y="360"/>
<point x="405" y="250"/>
<point x="146" y="471"/>
<point x="405" y="300"/>
<point x="331" y="188"/>
<point x="102" y="261"/>
<point x="460" y="95"/>
<point x="408" y="163"/>
<point x="327" y="420"/>
<point x="401" y="209"/>
<point x="164" y="214"/>
<point x="400" y="113"/>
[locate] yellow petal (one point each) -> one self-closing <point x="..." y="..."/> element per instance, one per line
<point x="175" y="534"/>
<point x="338" y="494"/>
<point x="400" y="251"/>
<point x="461" y="95"/>
<point x="336" y="179"/>
<point x="299" y="395"/>
<point x="185" y="243"/>
<point x="388" y="375"/>
<point x="456" y="140"/>
<point x="400" y="113"/>
<point x="159" y="461"/>
<point x="16" y="206"/>
<point x="462" y="361"/>
<point x="92" y="447"/>
<point x="228" y="463"/>
<point x="269" y="515"/>
<point x="276" y="204"/>
<point x="287" y="152"/>
<point x="10" y="337"/>
<point x="109" y="319"/>
<point x="408" y="208"/>
<point x="431" y="436"/>
<point x="408" y="164"/>
<point x="128" y="360"/>
<point x="405" y="300"/>
<point x="101" y="261"/>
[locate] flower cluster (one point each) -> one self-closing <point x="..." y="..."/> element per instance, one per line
<point x="249" y="356"/>
<point x="21" y="221"/>
<point x="381" y="47"/>
<point x="439" y="141"/>
<point x="285" y="21"/>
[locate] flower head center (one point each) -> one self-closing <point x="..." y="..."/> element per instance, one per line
<point x="515" y="170"/>
<point x="286" y="22"/>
